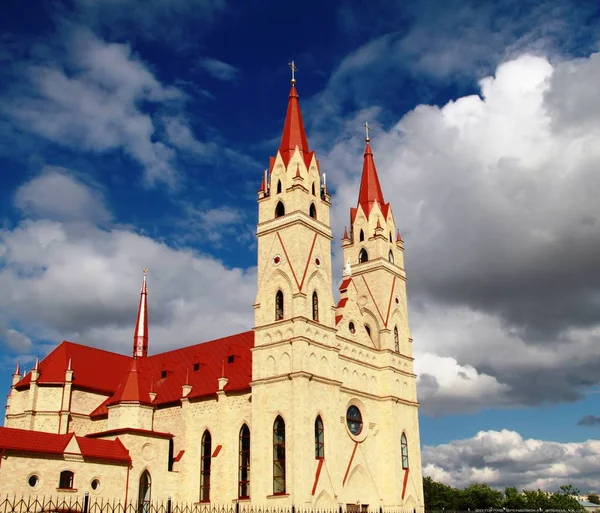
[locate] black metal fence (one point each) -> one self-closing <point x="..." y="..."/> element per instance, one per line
<point x="88" y="504"/>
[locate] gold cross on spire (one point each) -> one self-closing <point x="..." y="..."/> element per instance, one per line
<point x="294" y="69"/>
<point x="145" y="271"/>
<point x="367" y="129"/>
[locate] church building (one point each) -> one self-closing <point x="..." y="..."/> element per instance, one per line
<point x="316" y="406"/>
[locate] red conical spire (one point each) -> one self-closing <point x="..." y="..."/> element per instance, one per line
<point x="370" y="189"/>
<point x="293" y="128"/>
<point x="134" y="387"/>
<point x="140" y="336"/>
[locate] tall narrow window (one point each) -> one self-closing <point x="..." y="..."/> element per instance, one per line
<point x="390" y="236"/>
<point x="363" y="256"/>
<point x="205" y="461"/>
<point x="396" y="340"/>
<point x="144" y="492"/>
<point x="319" y="438"/>
<point x="314" y="193"/>
<point x="170" y="467"/>
<point x="66" y="480"/>
<point x="361" y="236"/>
<point x="244" y="465"/>
<point x="368" y="328"/>
<point x="278" y="456"/>
<point x="313" y="211"/>
<point x="315" y="306"/>
<point x="279" y="187"/>
<point x="279" y="305"/>
<point x="279" y="210"/>
<point x="404" y="444"/>
<point x="391" y="256"/>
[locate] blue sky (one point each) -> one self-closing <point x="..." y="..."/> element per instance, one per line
<point x="134" y="135"/>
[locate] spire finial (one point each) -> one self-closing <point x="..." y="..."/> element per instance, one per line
<point x="70" y="365"/>
<point x="140" y="336"/>
<point x="18" y="369"/>
<point x="293" y="67"/>
<point x="37" y="363"/>
<point x="367" y="130"/>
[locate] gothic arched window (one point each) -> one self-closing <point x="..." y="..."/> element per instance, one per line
<point x="319" y="438"/>
<point x="315" y="306"/>
<point x="391" y="256"/>
<point x="396" y="340"/>
<point x="368" y="328"/>
<point x="279" y="305"/>
<point x="314" y="192"/>
<point x="279" y="187"/>
<point x="390" y="236"/>
<point x="244" y="464"/>
<point x="205" y="461"/>
<point x="361" y="236"/>
<point x="313" y="211"/>
<point x="279" y="210"/>
<point x="278" y="456"/>
<point x="404" y="445"/>
<point x="363" y="256"/>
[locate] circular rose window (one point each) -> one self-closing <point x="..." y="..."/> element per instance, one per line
<point x="354" y="420"/>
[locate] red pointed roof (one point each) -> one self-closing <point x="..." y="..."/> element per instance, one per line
<point x="135" y="387"/>
<point x="294" y="134"/>
<point x="140" y="336"/>
<point x="370" y="189"/>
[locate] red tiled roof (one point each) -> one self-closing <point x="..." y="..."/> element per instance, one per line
<point x="103" y="449"/>
<point x="38" y="442"/>
<point x="94" y="369"/>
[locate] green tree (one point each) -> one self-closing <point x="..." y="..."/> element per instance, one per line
<point x="536" y="499"/>
<point x="438" y="496"/>
<point x="593" y="498"/>
<point x="566" y="498"/>
<point x="513" y="499"/>
<point x="479" y="496"/>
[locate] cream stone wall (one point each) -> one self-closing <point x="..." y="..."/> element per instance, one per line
<point x="16" y="469"/>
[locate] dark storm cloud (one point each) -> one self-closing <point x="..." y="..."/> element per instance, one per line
<point x="589" y="420"/>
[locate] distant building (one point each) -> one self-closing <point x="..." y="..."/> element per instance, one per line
<point x="316" y="406"/>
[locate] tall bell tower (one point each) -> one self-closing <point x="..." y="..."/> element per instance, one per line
<point x="374" y="251"/>
<point x="294" y="330"/>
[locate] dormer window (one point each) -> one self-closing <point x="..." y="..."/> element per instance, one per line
<point x="163" y="374"/>
<point x="196" y="367"/>
<point x="230" y="358"/>
<point x="279" y="210"/>
<point x="313" y="211"/>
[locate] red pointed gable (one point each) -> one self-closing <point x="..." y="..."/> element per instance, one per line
<point x="370" y="189"/>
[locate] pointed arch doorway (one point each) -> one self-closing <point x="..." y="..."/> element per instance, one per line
<point x="144" y="492"/>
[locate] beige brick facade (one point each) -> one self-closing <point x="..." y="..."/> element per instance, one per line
<point x="306" y="364"/>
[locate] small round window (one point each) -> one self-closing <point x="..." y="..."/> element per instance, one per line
<point x="354" y="420"/>
<point x="33" y="480"/>
<point x="95" y="484"/>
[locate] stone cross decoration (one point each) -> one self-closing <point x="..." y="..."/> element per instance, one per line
<point x="294" y="69"/>
<point x="367" y="129"/>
